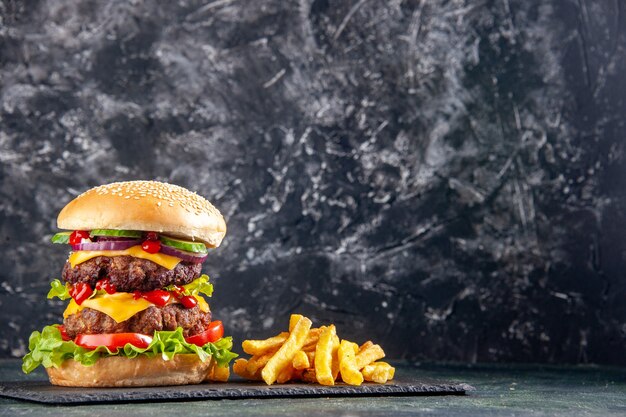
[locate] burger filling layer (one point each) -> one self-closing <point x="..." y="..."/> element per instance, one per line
<point x="128" y="294"/>
<point x="131" y="293"/>
<point x="128" y="273"/>
<point x="89" y="321"/>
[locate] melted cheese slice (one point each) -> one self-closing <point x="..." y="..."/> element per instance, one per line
<point x="120" y="306"/>
<point x="165" y="261"/>
<point x="202" y="304"/>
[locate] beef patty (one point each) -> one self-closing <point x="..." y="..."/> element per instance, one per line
<point x="130" y="274"/>
<point x="89" y="321"/>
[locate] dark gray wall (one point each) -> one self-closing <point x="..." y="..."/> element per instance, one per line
<point x="445" y="177"/>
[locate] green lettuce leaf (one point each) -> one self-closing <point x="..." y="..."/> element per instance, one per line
<point x="200" y="285"/>
<point x="197" y="286"/>
<point x="60" y="290"/>
<point x="49" y="350"/>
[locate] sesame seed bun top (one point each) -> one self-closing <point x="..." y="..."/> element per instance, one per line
<point x="147" y="206"/>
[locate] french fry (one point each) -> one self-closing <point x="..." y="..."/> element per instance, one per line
<point x="221" y="373"/>
<point x="324" y="356"/>
<point x="379" y="372"/>
<point x="259" y="347"/>
<point x="347" y="363"/>
<point x="293" y="320"/>
<point x="217" y="373"/>
<point x="297" y="374"/>
<point x="239" y="367"/>
<point x="285" y="374"/>
<point x="335" y="364"/>
<point x="365" y="346"/>
<point x="301" y="360"/>
<point x="311" y="355"/>
<point x="308" y="375"/>
<point x="312" y="338"/>
<point x="309" y="348"/>
<point x="285" y="354"/>
<point x="256" y="362"/>
<point x="368" y="353"/>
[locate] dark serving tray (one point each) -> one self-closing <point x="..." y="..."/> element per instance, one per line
<point x="43" y="392"/>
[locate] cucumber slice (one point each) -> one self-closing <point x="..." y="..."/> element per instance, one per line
<point x="117" y="233"/>
<point x="63" y="237"/>
<point x="196" y="247"/>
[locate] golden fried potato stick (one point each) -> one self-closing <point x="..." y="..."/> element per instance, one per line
<point x="311" y="355"/>
<point x="258" y="361"/>
<point x="285" y="354"/>
<point x="335" y="364"/>
<point x="324" y="356"/>
<point x="217" y="373"/>
<point x="293" y="320"/>
<point x="365" y="346"/>
<point x="300" y="360"/>
<point x="368" y="353"/>
<point x="285" y="375"/>
<point x="239" y="367"/>
<point x="259" y="347"/>
<point x="379" y="372"/>
<point x="312" y="338"/>
<point x="308" y="375"/>
<point x="347" y="363"/>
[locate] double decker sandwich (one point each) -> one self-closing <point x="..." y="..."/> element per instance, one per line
<point x="137" y="313"/>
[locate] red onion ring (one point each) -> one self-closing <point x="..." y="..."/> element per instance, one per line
<point x="195" y="258"/>
<point x="107" y="245"/>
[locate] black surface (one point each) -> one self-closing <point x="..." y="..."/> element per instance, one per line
<point x="43" y="392"/>
<point x="501" y="390"/>
<point x="445" y="177"/>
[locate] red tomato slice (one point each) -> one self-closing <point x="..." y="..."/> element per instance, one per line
<point x="151" y="246"/>
<point x="77" y="236"/>
<point x="64" y="335"/>
<point x="214" y="332"/>
<point x="113" y="341"/>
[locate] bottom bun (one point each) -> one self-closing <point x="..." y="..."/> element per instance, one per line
<point x="142" y="371"/>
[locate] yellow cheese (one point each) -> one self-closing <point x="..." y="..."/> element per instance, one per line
<point x="72" y="308"/>
<point x="202" y="304"/>
<point x="121" y="306"/>
<point x="165" y="261"/>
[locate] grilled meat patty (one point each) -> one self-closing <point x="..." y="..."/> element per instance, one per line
<point x="169" y="317"/>
<point x="130" y="274"/>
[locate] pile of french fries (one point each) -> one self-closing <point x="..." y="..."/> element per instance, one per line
<point x="312" y="355"/>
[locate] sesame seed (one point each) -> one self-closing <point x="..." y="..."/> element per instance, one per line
<point x="172" y="194"/>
